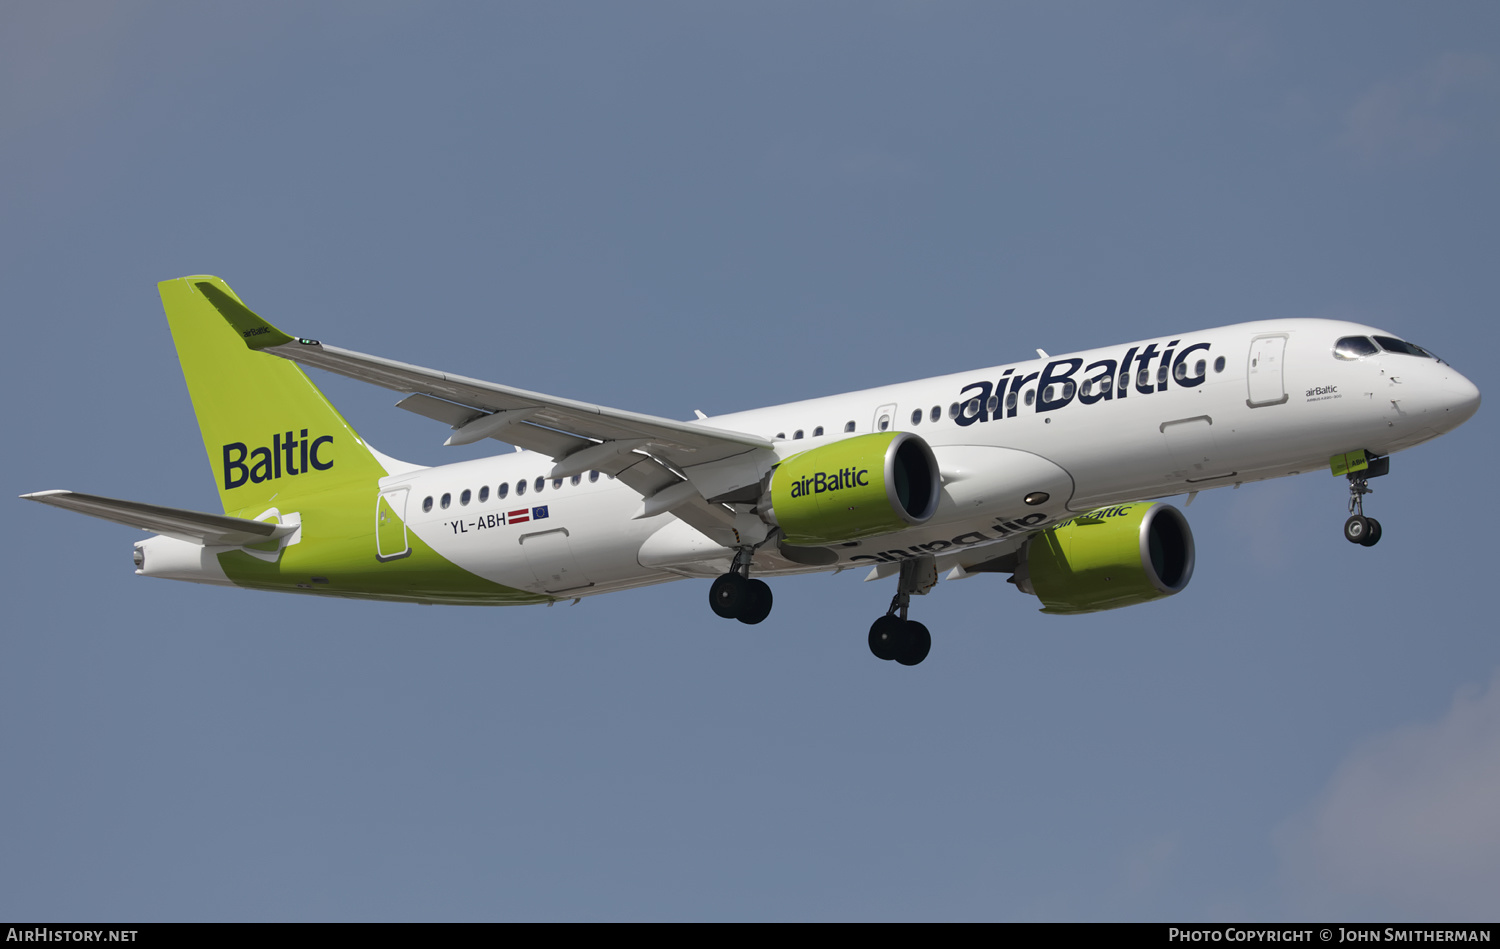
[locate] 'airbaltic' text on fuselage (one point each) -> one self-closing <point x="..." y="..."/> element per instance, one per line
<point x="1103" y="380"/>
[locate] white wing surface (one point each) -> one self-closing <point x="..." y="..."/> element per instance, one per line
<point x="646" y="452"/>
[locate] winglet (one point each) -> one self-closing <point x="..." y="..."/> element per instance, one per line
<point x="256" y="332"/>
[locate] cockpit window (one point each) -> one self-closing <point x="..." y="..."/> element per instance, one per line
<point x="1393" y="345"/>
<point x="1354" y="347"/>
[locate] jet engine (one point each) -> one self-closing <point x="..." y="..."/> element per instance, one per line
<point x="1109" y="558"/>
<point x="856" y="487"/>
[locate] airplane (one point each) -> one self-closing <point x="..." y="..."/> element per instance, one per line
<point x="1048" y="470"/>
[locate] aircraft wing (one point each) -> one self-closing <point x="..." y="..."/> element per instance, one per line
<point x="193" y="526"/>
<point x="590" y="436"/>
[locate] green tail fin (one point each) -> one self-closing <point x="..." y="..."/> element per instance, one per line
<point x="269" y="433"/>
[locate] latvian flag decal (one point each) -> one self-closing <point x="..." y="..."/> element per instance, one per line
<point x="523" y="515"/>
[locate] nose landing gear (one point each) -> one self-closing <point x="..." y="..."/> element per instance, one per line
<point x="1359" y="529"/>
<point x="1362" y="530"/>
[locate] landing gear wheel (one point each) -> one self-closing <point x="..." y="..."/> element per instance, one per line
<point x="728" y="595"/>
<point x="916" y="643"/>
<point x="757" y="605"/>
<point x="1372" y="537"/>
<point x="1357" y="530"/>
<point x="885" y="637"/>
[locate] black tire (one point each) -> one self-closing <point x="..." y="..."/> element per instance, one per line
<point x="1356" y="529"/>
<point x="728" y="595"/>
<point x="885" y="637"/>
<point x="757" y="605"/>
<point x="916" y="644"/>
<point x="1373" y="536"/>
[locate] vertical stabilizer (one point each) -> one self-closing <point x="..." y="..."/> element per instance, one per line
<point x="271" y="436"/>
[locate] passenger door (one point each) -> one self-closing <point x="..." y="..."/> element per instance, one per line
<point x="390" y="525"/>
<point x="1265" y="371"/>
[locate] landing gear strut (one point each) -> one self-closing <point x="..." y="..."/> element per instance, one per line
<point x="893" y="636"/>
<point x="1359" y="529"/>
<point x="736" y="596"/>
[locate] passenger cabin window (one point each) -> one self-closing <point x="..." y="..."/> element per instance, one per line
<point x="1354" y="347"/>
<point x="916" y="419"/>
<point x="484" y="494"/>
<point x="1218" y="366"/>
<point x="953" y="410"/>
<point x="427" y="504"/>
<point x="885" y="422"/>
<point x="503" y="490"/>
<point x="539" y="483"/>
<point x="797" y="433"/>
<point x="577" y="478"/>
<point x="937" y="413"/>
<point x="593" y="476"/>
<point x="463" y="499"/>
<point x="447" y="500"/>
<point x="520" y="488"/>
<point x="1030" y="396"/>
<point x="818" y="432"/>
<point x="849" y="425"/>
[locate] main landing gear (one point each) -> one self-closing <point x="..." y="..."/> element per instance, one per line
<point x="1359" y="529"/>
<point x="893" y="636"/>
<point x="736" y="596"/>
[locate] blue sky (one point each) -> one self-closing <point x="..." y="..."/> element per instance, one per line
<point x="668" y="207"/>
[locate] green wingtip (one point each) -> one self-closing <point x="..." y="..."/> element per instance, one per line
<point x="256" y="332"/>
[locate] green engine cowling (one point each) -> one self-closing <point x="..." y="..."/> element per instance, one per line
<point x="856" y="487"/>
<point x="1109" y="558"/>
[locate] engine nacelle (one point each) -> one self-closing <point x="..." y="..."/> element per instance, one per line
<point x="856" y="487"/>
<point x="1109" y="558"/>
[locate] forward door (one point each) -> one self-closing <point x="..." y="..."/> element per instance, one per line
<point x="1267" y="354"/>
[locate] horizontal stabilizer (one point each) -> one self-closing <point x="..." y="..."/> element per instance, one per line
<point x="214" y="530"/>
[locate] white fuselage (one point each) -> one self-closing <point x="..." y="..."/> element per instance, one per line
<point x="1121" y="423"/>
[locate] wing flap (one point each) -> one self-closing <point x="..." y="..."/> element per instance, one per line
<point x="197" y="526"/>
<point x="440" y="410"/>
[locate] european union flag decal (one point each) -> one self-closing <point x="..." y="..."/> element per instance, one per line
<point x="537" y="513"/>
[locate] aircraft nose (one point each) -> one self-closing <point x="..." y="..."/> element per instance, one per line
<point x="1460" y="401"/>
